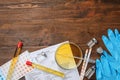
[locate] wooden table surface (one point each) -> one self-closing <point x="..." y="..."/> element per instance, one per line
<point x="42" y="23"/>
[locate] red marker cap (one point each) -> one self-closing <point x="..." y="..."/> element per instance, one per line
<point x="20" y="44"/>
<point x="28" y="63"/>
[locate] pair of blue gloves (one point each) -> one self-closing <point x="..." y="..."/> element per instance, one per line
<point x="108" y="66"/>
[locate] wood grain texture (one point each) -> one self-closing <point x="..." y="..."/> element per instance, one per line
<point x="42" y="23"/>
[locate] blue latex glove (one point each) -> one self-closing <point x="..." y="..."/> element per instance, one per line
<point x="112" y="43"/>
<point x="103" y="69"/>
<point x="1" y="76"/>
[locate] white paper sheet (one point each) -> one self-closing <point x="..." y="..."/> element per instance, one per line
<point x="46" y="57"/>
<point x="20" y="68"/>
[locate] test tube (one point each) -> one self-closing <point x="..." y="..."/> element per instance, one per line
<point x="46" y="69"/>
<point x="14" y="60"/>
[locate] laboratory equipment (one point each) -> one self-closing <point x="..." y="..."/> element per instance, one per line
<point x="68" y="55"/>
<point x="104" y="71"/>
<point x="89" y="73"/>
<point x="20" y="69"/>
<point x="91" y="43"/>
<point x="99" y="50"/>
<point x="85" y="63"/>
<point x="112" y="43"/>
<point x="51" y="63"/>
<point x="34" y="65"/>
<point x="83" y="66"/>
<point x="107" y="68"/>
<point x="14" y="60"/>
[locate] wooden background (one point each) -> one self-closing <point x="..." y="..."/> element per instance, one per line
<point x="41" y="23"/>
